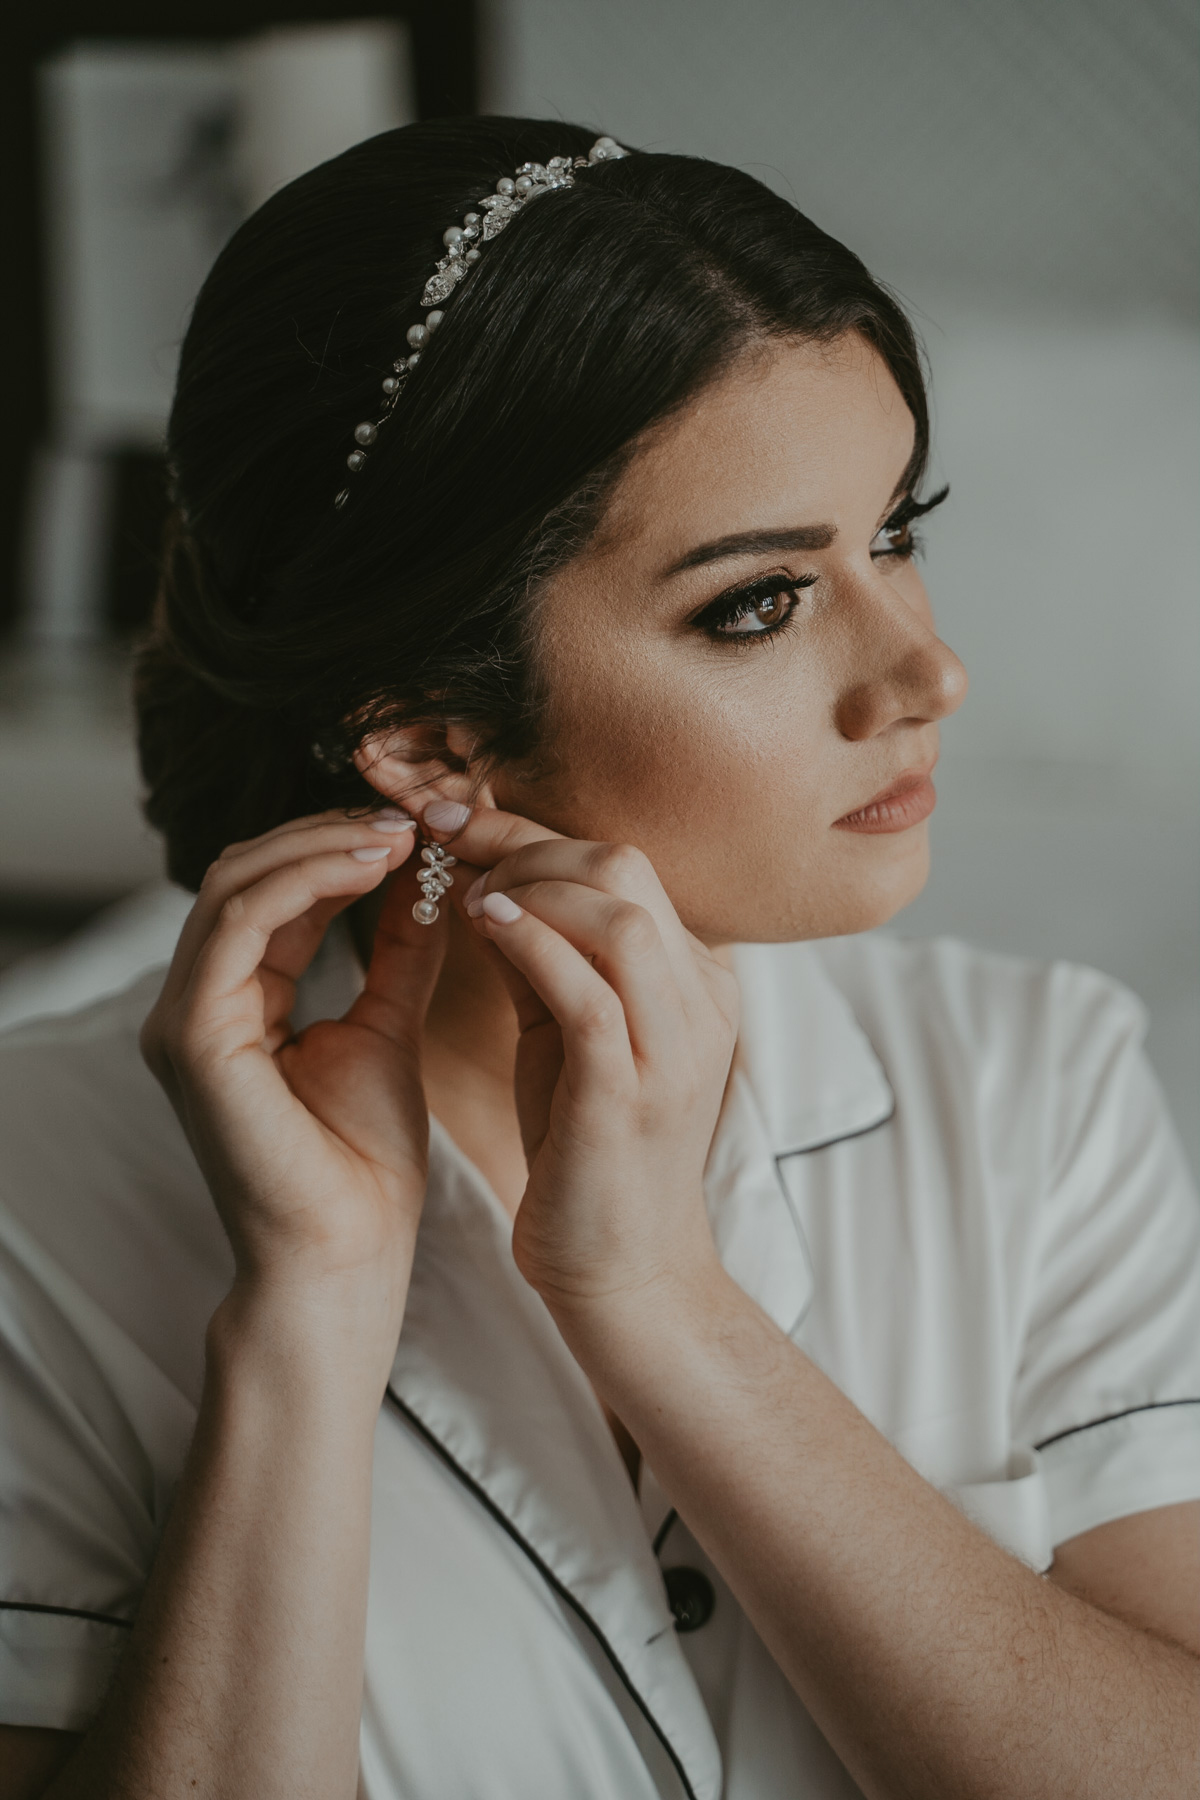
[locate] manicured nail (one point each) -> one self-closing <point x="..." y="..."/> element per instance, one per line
<point x="371" y="855"/>
<point x="392" y="819"/>
<point x="446" y="815"/>
<point x="474" y="891"/>
<point x="500" y="909"/>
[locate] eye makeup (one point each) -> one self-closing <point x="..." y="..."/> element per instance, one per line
<point x="896" y="536"/>
<point x="755" y="609"/>
<point x="762" y="608"/>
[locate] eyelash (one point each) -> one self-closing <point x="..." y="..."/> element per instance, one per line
<point x="901" y="523"/>
<point x="739" y="603"/>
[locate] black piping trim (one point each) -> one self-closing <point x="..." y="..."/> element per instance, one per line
<point x="66" y="1612"/>
<point x="548" y="1576"/>
<point x="1150" y="1406"/>
<point x="664" y="1531"/>
<point x="843" y="1137"/>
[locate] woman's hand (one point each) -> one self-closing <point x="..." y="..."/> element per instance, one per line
<point x="314" y="1145"/>
<point x="627" y="1028"/>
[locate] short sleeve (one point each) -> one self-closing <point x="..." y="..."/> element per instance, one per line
<point x="1108" y="1389"/>
<point x="87" y="1423"/>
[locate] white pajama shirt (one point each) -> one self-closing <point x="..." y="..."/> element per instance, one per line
<point x="947" y="1175"/>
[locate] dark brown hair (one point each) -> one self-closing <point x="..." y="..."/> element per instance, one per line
<point x="286" y="630"/>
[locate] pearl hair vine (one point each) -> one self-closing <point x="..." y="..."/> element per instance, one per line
<point x="495" y="212"/>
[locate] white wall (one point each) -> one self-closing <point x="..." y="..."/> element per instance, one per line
<point x="1021" y="173"/>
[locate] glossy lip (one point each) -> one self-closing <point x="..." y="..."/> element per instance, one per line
<point x="904" y="803"/>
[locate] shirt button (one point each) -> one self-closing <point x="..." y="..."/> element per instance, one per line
<point x="690" y="1597"/>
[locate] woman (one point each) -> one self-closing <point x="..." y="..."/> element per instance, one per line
<point x="708" y="1418"/>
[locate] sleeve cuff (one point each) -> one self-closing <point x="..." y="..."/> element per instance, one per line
<point x="1126" y="1464"/>
<point x="55" y="1668"/>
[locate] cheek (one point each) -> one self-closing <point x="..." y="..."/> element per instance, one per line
<point x="713" y="770"/>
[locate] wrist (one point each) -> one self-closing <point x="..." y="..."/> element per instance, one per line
<point x="641" y="1326"/>
<point x="333" y="1337"/>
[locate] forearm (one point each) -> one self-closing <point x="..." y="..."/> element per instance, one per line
<point x="936" y="1664"/>
<point x="243" y="1677"/>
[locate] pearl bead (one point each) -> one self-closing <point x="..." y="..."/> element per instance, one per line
<point x="425" y="912"/>
<point x="365" y="433"/>
<point x="470" y="218"/>
<point x="505" y="185"/>
<point x="390" y="383"/>
<point x="413" y="360"/>
<point x="433" y="320"/>
<point x="523" y="183"/>
<point x="417" y="336"/>
<point x="452" y="236"/>
<point x="606" y="143"/>
<point x="449" y="862"/>
<point x="429" y="856"/>
<point x="471" y="256"/>
<point x="355" y="461"/>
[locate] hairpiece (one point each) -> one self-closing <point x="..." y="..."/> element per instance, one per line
<point x="462" y="243"/>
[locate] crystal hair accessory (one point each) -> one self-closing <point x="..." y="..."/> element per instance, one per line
<point x="433" y="878"/>
<point x="462" y="243"/>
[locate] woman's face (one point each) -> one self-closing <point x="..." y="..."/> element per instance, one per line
<point x="744" y="661"/>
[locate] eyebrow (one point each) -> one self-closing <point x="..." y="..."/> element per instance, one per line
<point x="754" y="543"/>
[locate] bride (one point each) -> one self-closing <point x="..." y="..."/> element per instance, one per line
<point x="568" y="1313"/>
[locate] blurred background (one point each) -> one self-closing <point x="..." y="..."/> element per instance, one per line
<point x="1023" y="172"/>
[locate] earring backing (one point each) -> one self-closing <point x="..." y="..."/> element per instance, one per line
<point x="433" y="878"/>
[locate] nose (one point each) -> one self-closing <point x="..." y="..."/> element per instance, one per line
<point x="904" y="672"/>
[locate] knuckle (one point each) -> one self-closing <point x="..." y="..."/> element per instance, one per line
<point x="619" y="865"/>
<point x="599" y="1017"/>
<point x="631" y="930"/>
<point x="233" y="910"/>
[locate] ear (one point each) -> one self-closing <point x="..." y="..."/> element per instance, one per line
<point x="419" y="763"/>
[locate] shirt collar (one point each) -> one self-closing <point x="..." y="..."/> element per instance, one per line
<point x="808" y="1060"/>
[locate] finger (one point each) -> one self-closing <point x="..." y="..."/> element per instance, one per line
<point x="596" y="1046"/>
<point x="392" y="817"/>
<point x="483" y="835"/>
<point x="406" y="958"/>
<point x="241" y="866"/>
<point x="231" y="957"/>
<point x="619" y="870"/>
<point x="623" y="943"/>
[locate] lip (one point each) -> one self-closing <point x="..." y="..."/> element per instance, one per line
<point x="905" y="802"/>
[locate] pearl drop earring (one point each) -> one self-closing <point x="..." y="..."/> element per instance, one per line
<point x="434" y="878"/>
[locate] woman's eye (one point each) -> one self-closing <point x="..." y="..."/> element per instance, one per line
<point x="755" y="612"/>
<point x="894" y="540"/>
<point x="761" y="614"/>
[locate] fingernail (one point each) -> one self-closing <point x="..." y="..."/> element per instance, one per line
<point x="391" y="819"/>
<point x="475" y="889"/>
<point x="446" y="815"/>
<point x="500" y="909"/>
<point x="371" y="855"/>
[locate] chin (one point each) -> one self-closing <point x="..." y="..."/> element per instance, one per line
<point x="893" y="878"/>
<point x="866" y="884"/>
